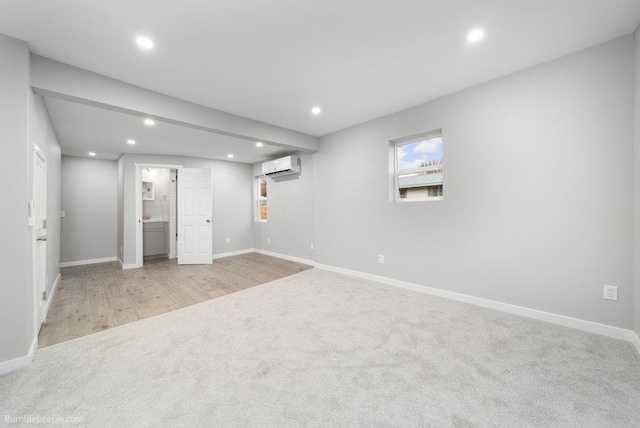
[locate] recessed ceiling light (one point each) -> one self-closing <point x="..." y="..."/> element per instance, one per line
<point x="149" y="122"/>
<point x="144" y="42"/>
<point x="259" y="144"/>
<point x="230" y="156"/>
<point x="316" y="110"/>
<point x="475" y="35"/>
<point x="92" y="154"/>
<point x="132" y="142"/>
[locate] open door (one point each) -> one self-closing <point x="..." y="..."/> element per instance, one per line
<point x="195" y="237"/>
<point x="40" y="200"/>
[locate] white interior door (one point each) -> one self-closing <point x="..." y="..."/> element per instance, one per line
<point x="40" y="202"/>
<point x="195" y="231"/>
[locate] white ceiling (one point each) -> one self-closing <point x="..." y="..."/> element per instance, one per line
<point x="273" y="60"/>
<point x="83" y="129"/>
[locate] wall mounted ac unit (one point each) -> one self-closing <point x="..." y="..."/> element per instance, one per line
<point x="283" y="166"/>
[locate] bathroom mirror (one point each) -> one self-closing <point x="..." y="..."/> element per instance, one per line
<point x="147" y="191"/>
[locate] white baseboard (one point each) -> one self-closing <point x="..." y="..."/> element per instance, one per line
<point x="232" y="253"/>
<point x="129" y="266"/>
<point x="50" y="297"/>
<point x="20" y="362"/>
<point x="89" y="262"/>
<point x="592" y="327"/>
<point x="285" y="257"/>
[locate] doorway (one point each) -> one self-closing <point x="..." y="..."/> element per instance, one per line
<point x="156" y="216"/>
<point x="159" y="213"/>
<point x="193" y="219"/>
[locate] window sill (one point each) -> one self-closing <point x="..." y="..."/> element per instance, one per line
<point x="407" y="201"/>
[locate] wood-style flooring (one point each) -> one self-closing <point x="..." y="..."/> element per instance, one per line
<point x="93" y="298"/>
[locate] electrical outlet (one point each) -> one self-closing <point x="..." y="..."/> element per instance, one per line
<point x="311" y="247"/>
<point x="610" y="292"/>
<point x="228" y="240"/>
<point x="268" y="240"/>
<point x="120" y="250"/>
<point x="381" y="260"/>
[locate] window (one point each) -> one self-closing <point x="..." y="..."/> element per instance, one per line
<point x="418" y="168"/>
<point x="262" y="199"/>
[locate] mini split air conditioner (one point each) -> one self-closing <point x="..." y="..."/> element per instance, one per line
<point x="283" y="166"/>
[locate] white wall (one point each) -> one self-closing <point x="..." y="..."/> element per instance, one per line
<point x="24" y="121"/>
<point x="232" y="215"/>
<point x="636" y="181"/>
<point x="42" y="133"/>
<point x="290" y="212"/>
<point x="89" y="200"/>
<point x="537" y="193"/>
<point x="16" y="288"/>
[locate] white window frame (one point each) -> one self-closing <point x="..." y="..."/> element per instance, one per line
<point x="395" y="173"/>
<point x="260" y="198"/>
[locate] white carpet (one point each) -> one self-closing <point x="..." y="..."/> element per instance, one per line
<point x="322" y="349"/>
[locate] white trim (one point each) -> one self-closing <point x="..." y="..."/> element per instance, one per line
<point x="173" y="214"/>
<point x="39" y="152"/>
<point x="50" y="296"/>
<point x="125" y="267"/>
<point x="232" y="253"/>
<point x="285" y="257"/>
<point x="129" y="266"/>
<point x="34" y="280"/>
<point x="20" y="362"/>
<point x="592" y="327"/>
<point x="89" y="262"/>
<point x="258" y="198"/>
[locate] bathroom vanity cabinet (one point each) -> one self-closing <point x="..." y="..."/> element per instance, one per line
<point x="155" y="238"/>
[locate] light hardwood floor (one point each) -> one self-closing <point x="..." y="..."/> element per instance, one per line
<point x="93" y="298"/>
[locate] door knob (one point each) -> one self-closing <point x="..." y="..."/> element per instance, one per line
<point x="208" y="220"/>
<point x="42" y="238"/>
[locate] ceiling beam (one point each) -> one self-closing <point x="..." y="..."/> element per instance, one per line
<point x="58" y="80"/>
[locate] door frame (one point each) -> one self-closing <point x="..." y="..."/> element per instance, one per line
<point x="37" y="297"/>
<point x="138" y="196"/>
